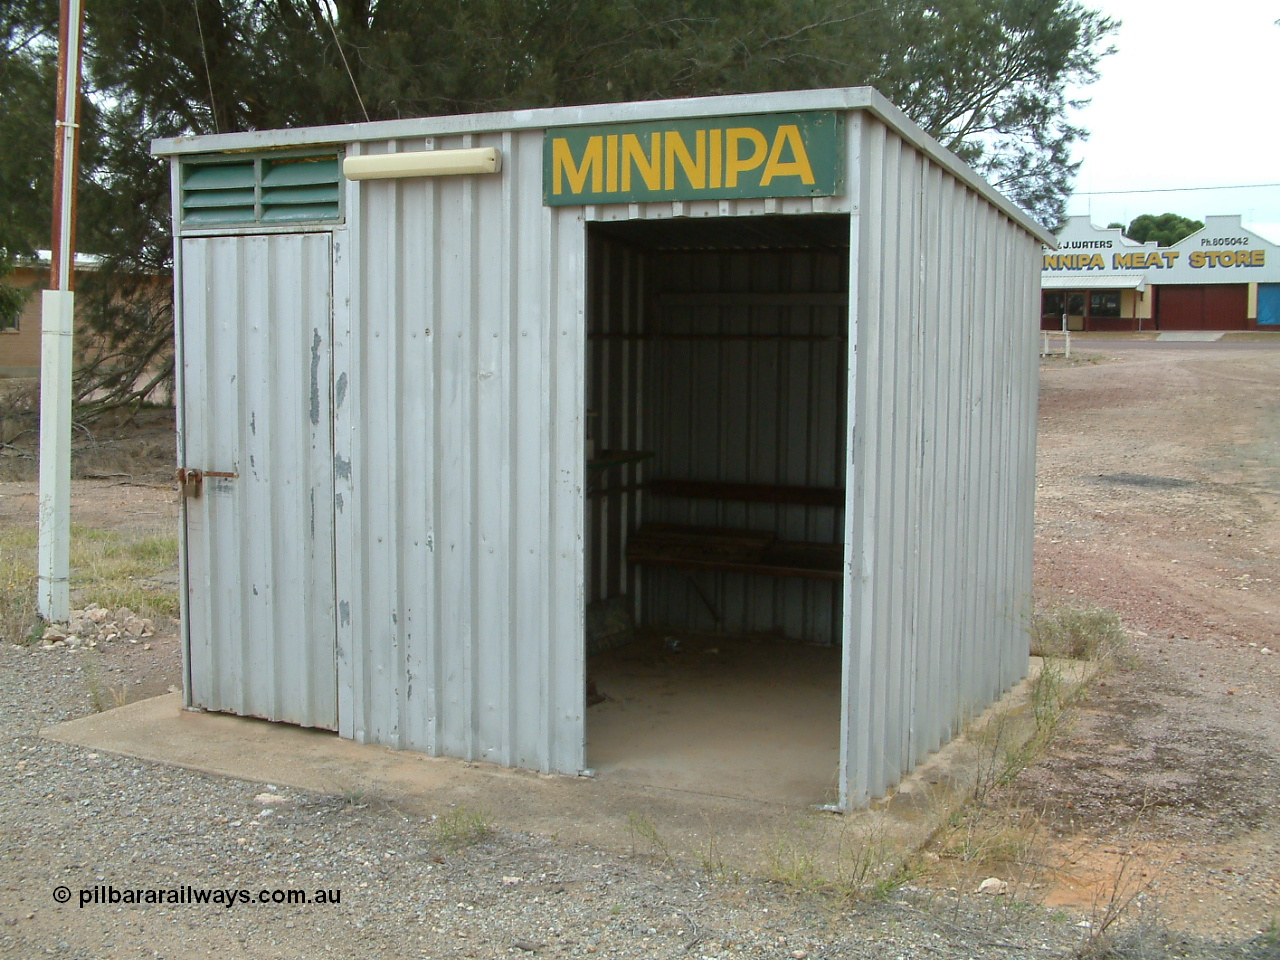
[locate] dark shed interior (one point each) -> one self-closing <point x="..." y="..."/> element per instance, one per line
<point x="717" y="374"/>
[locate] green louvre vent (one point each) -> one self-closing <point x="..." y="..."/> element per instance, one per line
<point x="261" y="190"/>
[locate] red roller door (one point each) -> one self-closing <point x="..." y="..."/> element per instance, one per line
<point x="1221" y="306"/>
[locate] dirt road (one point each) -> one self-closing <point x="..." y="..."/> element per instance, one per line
<point x="1159" y="496"/>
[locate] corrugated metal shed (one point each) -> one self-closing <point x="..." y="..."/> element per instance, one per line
<point x="408" y="534"/>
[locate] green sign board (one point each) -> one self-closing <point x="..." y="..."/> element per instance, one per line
<point x="718" y="158"/>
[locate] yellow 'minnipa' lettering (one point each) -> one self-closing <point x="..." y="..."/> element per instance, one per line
<point x="1074" y="261"/>
<point x="718" y="156"/>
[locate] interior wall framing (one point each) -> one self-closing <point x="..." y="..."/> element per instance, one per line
<point x="616" y="296"/>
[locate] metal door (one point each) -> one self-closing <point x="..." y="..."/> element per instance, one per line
<point x="1269" y="304"/>
<point x="1202" y="307"/>
<point x="1075" y="311"/>
<point x="256" y="445"/>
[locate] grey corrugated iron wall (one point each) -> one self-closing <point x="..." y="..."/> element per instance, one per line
<point x="458" y="411"/>
<point x="254" y="329"/>
<point x="942" y="460"/>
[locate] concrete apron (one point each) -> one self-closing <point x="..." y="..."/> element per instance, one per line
<point x="715" y="832"/>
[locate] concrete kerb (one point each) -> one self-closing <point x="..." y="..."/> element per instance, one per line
<point x="718" y="833"/>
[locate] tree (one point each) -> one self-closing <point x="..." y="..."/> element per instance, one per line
<point x="28" y="89"/>
<point x="25" y="159"/>
<point x="1166" y="229"/>
<point x="988" y="78"/>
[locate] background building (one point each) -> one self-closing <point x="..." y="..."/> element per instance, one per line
<point x="1223" y="277"/>
<point x="20" y="338"/>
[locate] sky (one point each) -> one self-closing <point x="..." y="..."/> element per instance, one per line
<point x="1190" y="98"/>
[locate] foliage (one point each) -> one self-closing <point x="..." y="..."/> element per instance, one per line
<point x="28" y="80"/>
<point x="462" y="827"/>
<point x="1077" y="631"/>
<point x="12" y="299"/>
<point x="26" y="158"/>
<point x="988" y="78"/>
<point x="1165" y="229"/>
<point x="109" y="567"/>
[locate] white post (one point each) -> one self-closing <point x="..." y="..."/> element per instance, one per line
<point x="53" y="596"/>
<point x="53" y="589"/>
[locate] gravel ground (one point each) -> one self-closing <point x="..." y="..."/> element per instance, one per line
<point x="86" y="820"/>
<point x="1189" y="564"/>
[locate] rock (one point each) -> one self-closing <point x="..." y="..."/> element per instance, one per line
<point x="800" y="954"/>
<point x="123" y="614"/>
<point x="82" y="627"/>
<point x="269" y="798"/>
<point x="994" y="887"/>
<point x="54" y="632"/>
<point x="96" y="613"/>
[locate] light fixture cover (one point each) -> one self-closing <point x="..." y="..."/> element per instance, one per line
<point x="423" y="163"/>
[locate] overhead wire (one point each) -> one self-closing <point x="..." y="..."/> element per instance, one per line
<point x="359" y="99"/>
<point x="1230" y="186"/>
<point x="208" y="76"/>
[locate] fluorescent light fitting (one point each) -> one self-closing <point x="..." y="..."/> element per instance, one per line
<point x="422" y="163"/>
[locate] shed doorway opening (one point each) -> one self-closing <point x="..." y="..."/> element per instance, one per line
<point x="717" y="379"/>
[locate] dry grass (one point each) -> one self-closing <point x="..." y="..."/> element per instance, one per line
<point x="17" y="590"/>
<point x="1077" y="631"/>
<point x="113" y="568"/>
<point x="994" y="833"/>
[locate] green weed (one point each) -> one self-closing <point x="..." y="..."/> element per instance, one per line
<point x="461" y="827"/>
<point x="102" y="695"/>
<point x="640" y="826"/>
<point x="793" y="865"/>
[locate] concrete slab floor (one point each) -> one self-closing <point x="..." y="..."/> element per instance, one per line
<point x="723" y="717"/>
<point x="740" y="821"/>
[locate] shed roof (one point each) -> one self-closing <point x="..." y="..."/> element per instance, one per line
<point x="842" y="98"/>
